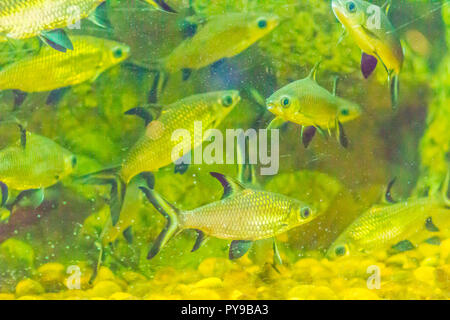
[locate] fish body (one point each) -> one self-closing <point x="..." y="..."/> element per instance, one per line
<point x="242" y="215"/>
<point x="50" y="69"/>
<point x="306" y="103"/>
<point x="372" y="31"/>
<point x="22" y="19"/>
<point x="384" y="225"/>
<point x="223" y="36"/>
<point x="154" y="149"/>
<point x="40" y="164"/>
<point x="157" y="148"/>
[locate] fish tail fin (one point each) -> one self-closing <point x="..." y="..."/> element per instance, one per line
<point x="159" y="84"/>
<point x="118" y="188"/>
<point x="172" y="215"/>
<point x="162" y="5"/>
<point x="394" y="88"/>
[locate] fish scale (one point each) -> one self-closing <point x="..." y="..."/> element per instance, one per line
<point x="41" y="164"/>
<point x="90" y="57"/>
<point x="154" y="149"/>
<point x="250" y="215"/>
<point x="21" y="19"/>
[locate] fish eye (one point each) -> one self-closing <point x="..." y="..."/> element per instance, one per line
<point x="345" y="112"/>
<point x="305" y="213"/>
<point x="262" y="23"/>
<point x="351" y="6"/>
<point x="118" y="53"/>
<point x="340" y="251"/>
<point x="227" y="101"/>
<point x="74" y="161"/>
<point x="285" y="102"/>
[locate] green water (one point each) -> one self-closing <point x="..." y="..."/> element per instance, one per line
<point x="411" y="144"/>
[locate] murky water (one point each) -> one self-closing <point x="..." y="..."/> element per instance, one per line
<point x="93" y="205"/>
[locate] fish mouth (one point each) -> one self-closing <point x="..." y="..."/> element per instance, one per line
<point x="270" y="105"/>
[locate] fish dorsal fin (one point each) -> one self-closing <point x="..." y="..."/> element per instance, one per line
<point x="312" y="74"/>
<point x="386" y="6"/>
<point x="230" y="186"/>
<point x="387" y="195"/>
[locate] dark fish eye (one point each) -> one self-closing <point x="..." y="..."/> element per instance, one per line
<point x="117" y="53"/>
<point x="285" y="102"/>
<point x="351" y="7"/>
<point x="340" y="251"/>
<point x="227" y="101"/>
<point x="74" y="161"/>
<point x="262" y="23"/>
<point x="305" y="213"/>
<point x="345" y="112"/>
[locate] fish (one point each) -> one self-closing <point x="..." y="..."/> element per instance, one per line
<point x="220" y="36"/>
<point x="369" y="26"/>
<point x="24" y="19"/>
<point x="390" y="224"/>
<point x="31" y="165"/>
<point x="308" y="104"/>
<point x="153" y="150"/>
<point x="161" y="5"/>
<point x="243" y="215"/>
<point x="51" y="70"/>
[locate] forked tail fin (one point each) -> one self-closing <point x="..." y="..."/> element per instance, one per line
<point x="170" y="212"/>
<point x="118" y="189"/>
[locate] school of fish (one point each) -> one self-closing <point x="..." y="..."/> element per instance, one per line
<point x="245" y="213"/>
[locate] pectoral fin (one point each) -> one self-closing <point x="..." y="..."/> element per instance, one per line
<point x="99" y="17"/>
<point x="276" y="123"/>
<point x="276" y="254"/>
<point x="182" y="164"/>
<point x="19" y="98"/>
<point x="368" y="64"/>
<point x="57" y="39"/>
<point x="404" y="245"/>
<point x="201" y="239"/>
<point x="307" y="134"/>
<point x="388" y="196"/>
<point x="430" y="225"/>
<point x="56" y="96"/>
<point x="32" y="198"/>
<point x="23" y="136"/>
<point x="128" y="234"/>
<point x="394" y="90"/>
<point x="435" y="241"/>
<point x="238" y="248"/>
<point x="340" y="134"/>
<point x="4" y="193"/>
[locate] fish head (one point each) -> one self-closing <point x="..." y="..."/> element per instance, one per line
<point x="341" y="247"/>
<point x="301" y="213"/>
<point x="351" y="13"/>
<point x="115" y="52"/>
<point x="260" y="24"/>
<point x="222" y="102"/>
<point x="284" y="102"/>
<point x="348" y="111"/>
